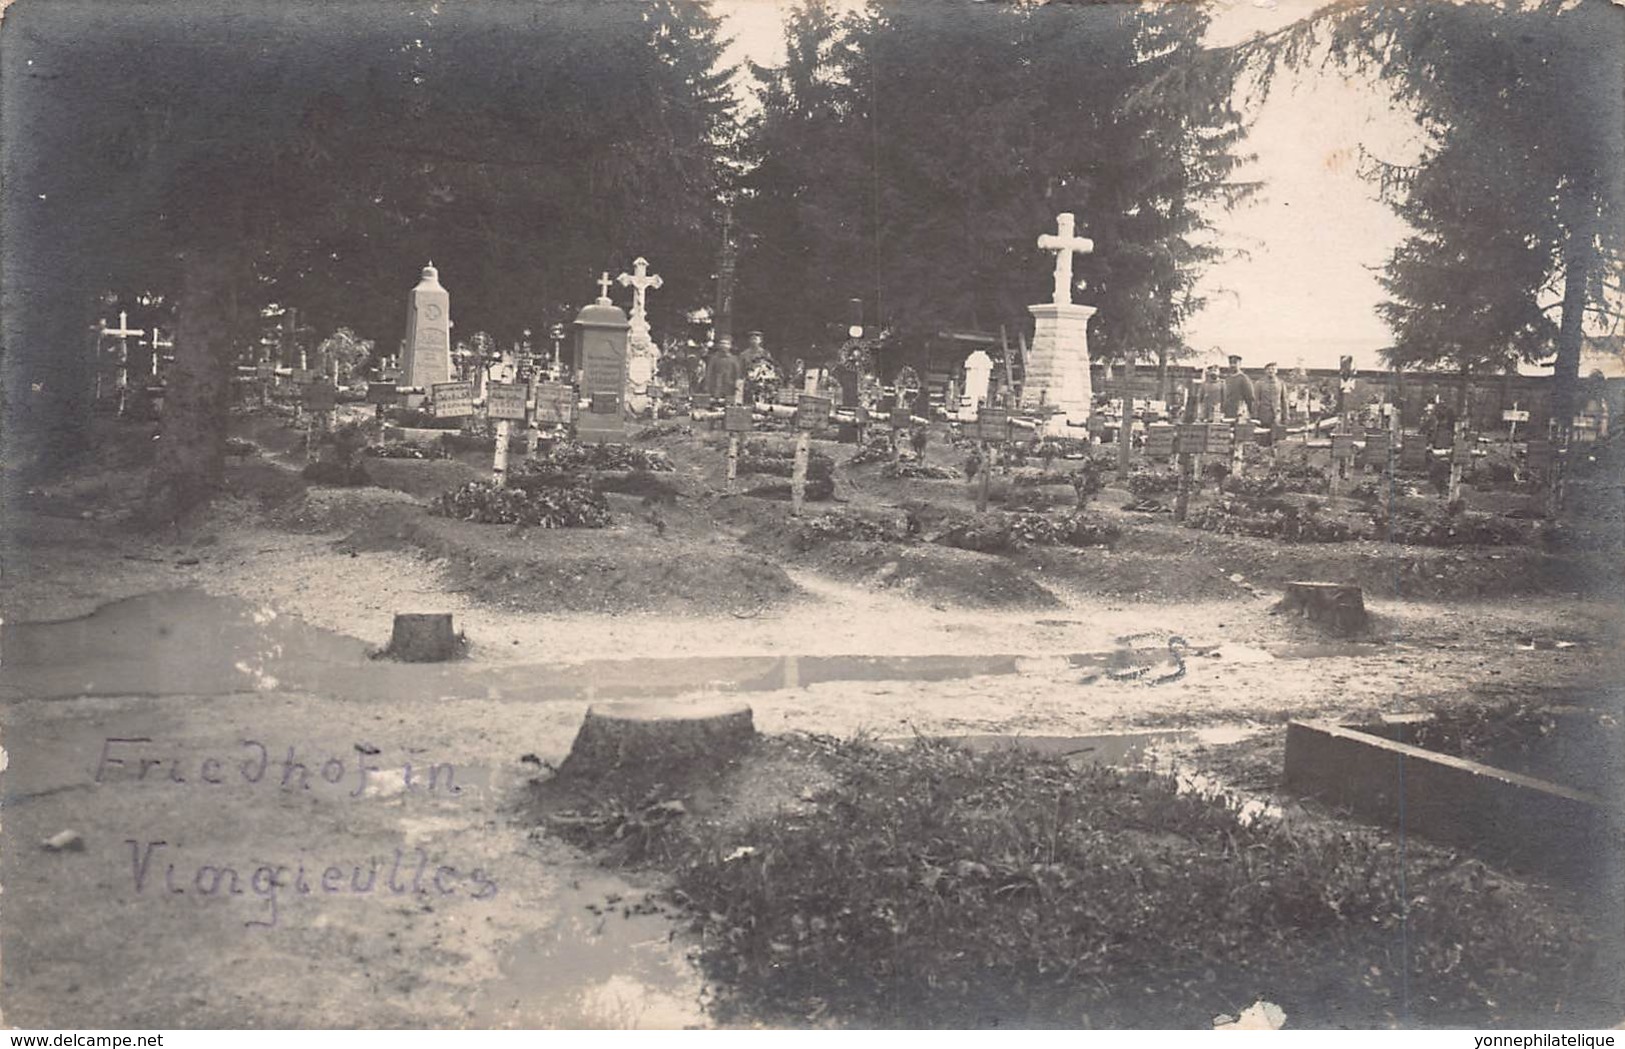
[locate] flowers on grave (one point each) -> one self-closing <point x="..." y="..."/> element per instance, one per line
<point x="1144" y="481"/>
<point x="873" y="452"/>
<point x="820" y="467"/>
<point x="1440" y="527"/>
<point x="1293" y="522"/>
<point x="405" y="450"/>
<point x="541" y="506"/>
<point x="998" y="532"/>
<point x="568" y="456"/>
<point x="914" y="470"/>
<point x="1305" y="479"/>
<point x="814" y="531"/>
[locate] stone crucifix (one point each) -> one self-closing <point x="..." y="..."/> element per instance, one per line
<point x="1064" y="242"/>
<point x="640" y="280"/>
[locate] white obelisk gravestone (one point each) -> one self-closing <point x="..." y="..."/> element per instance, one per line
<point x="978" y="374"/>
<point x="428" y="333"/>
<point x="1058" y="366"/>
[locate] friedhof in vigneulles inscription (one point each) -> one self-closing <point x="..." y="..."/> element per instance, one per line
<point x="267" y="885"/>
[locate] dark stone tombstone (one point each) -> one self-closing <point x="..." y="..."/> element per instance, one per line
<point x="601" y="333"/>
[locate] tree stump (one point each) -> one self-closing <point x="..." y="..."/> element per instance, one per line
<point x="422" y="637"/>
<point x="1336" y="605"/>
<point x="645" y="736"/>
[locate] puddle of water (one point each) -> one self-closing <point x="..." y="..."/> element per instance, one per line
<point x="186" y="642"/>
<point x="596" y="970"/>
<point x="179" y="641"/>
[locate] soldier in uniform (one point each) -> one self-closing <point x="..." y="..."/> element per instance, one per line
<point x="1238" y="390"/>
<point x="722" y="374"/>
<point x="1210" y="398"/>
<point x="1271" y="401"/>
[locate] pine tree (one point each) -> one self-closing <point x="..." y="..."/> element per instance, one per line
<point x="911" y="156"/>
<point x="1522" y="169"/>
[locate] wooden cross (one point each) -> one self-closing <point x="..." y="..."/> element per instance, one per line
<point x="603" y="288"/>
<point x="123" y="333"/>
<point x="639" y="280"/>
<point x="1064" y="243"/>
<point x="158" y="346"/>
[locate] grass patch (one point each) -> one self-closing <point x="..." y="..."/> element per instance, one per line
<point x="928" y="885"/>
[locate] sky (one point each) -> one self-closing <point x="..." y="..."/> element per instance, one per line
<point x="1306" y="291"/>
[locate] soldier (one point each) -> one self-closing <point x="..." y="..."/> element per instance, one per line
<point x="1271" y="401"/>
<point x="722" y="375"/>
<point x="1210" y="397"/>
<point x="1238" y="390"/>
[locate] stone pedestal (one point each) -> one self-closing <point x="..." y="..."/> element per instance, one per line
<point x="1058" y="365"/>
<point x="427" y="357"/>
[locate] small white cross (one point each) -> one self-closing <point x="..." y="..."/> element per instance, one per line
<point x="1063" y="242"/>
<point x="158" y="345"/>
<point x="603" y="289"/>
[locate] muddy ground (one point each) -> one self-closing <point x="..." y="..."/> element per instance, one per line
<point x="267" y="609"/>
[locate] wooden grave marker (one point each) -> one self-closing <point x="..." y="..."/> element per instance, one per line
<point x="1159" y="441"/>
<point x="1377" y="446"/>
<point x="452" y="399"/>
<point x="504" y="402"/>
<point x="993" y="424"/>
<point x="812" y="413"/>
<point x="555" y="403"/>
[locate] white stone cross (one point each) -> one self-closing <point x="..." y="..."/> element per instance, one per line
<point x="639" y="280"/>
<point x="603" y="289"/>
<point x="1063" y="242"/>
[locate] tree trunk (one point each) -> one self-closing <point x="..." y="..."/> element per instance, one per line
<point x="640" y="738"/>
<point x="191" y="450"/>
<point x="423" y="637"/>
<point x="1337" y="606"/>
<point x="1578" y="261"/>
<point x="724" y="320"/>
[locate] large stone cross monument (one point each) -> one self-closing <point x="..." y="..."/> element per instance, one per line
<point x="640" y="280"/>
<point x="1058" y="366"/>
<point x="642" y="354"/>
<point x="428" y="333"/>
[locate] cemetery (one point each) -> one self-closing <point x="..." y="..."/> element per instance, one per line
<point x="526" y="640"/>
